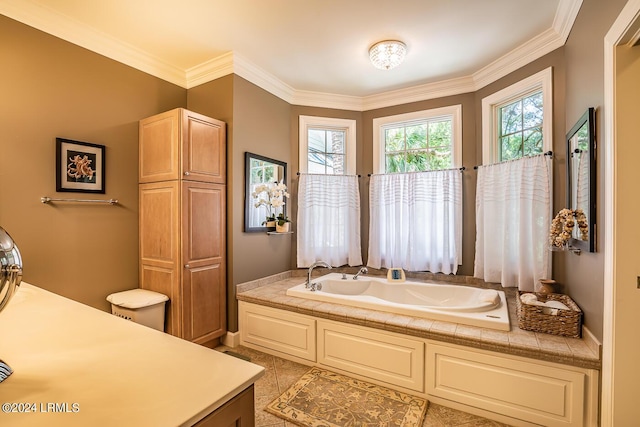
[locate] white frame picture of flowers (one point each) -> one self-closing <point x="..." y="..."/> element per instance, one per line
<point x="80" y="166"/>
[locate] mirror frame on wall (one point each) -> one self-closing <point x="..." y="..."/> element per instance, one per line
<point x="249" y="200"/>
<point x="587" y="121"/>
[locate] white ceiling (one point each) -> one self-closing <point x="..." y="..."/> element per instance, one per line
<point x="313" y="52"/>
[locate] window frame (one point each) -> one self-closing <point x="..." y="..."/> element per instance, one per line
<point x="491" y="104"/>
<point x="380" y="123"/>
<point x="327" y="123"/>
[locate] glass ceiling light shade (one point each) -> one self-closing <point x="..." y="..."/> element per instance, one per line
<point x="387" y="54"/>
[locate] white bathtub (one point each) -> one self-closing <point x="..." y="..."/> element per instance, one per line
<point x="466" y="305"/>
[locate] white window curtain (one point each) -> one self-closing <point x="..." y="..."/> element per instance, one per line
<point x="328" y="220"/>
<point x="582" y="185"/>
<point x="416" y="221"/>
<point x="513" y="214"/>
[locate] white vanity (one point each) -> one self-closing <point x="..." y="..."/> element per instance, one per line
<point x="78" y="366"/>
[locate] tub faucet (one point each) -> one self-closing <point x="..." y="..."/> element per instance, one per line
<point x="363" y="270"/>
<point x="314" y="286"/>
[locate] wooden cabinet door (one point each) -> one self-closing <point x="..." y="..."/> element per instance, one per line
<point x="181" y="144"/>
<point x="160" y="245"/>
<point x="159" y="146"/>
<point x="203" y="148"/>
<point x="238" y="412"/>
<point x="203" y="255"/>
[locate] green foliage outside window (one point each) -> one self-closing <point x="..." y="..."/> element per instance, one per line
<point x="520" y="128"/>
<point x="419" y="147"/>
<point x="262" y="172"/>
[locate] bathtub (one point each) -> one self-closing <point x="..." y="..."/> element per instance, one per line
<point x="465" y="305"/>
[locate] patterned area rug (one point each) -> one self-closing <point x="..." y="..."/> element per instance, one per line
<point x="322" y="398"/>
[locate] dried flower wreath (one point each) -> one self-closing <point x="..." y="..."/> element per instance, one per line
<point x="563" y="224"/>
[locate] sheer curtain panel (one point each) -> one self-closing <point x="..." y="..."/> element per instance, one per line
<point x="416" y="221"/>
<point x="328" y="220"/>
<point x="513" y="214"/>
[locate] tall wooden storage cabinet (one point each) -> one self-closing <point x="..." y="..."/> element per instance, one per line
<point x="182" y="176"/>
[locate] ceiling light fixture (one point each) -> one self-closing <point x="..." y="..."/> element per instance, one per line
<point x="387" y="54"/>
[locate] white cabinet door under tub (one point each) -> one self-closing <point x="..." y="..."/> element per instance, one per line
<point x="536" y="391"/>
<point x="382" y="357"/>
<point x="288" y="334"/>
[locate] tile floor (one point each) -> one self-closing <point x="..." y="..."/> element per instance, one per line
<point x="280" y="374"/>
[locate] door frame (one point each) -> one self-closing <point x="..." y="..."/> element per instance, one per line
<point x="624" y="28"/>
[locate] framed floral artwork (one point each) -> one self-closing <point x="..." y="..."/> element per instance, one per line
<point x="79" y="166"/>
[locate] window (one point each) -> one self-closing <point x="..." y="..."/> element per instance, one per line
<point x="517" y="121"/>
<point x="327" y="146"/>
<point x="418" y="141"/>
<point x="326" y="151"/>
<point x="328" y="221"/>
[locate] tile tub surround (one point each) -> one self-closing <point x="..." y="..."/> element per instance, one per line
<point x="271" y="292"/>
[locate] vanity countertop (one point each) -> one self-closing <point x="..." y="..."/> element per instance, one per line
<point x="78" y="366"/>
<point x="569" y="351"/>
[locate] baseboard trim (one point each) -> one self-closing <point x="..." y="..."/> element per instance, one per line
<point x="591" y="341"/>
<point x="231" y="339"/>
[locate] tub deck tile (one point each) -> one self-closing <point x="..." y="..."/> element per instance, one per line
<point x="472" y="332"/>
<point x="492" y="336"/>
<point x="357" y="313"/>
<point x="419" y="324"/>
<point x="579" y="348"/>
<point x="553" y="343"/>
<point x="377" y="318"/>
<point x="526" y="341"/>
<point x="399" y="321"/>
<point x="341" y="312"/>
<point x="444" y="327"/>
<point x="308" y="304"/>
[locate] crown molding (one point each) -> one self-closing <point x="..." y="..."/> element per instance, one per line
<point x="328" y="100"/>
<point x="49" y="21"/>
<point x="566" y="15"/>
<point x="420" y="93"/>
<point x="533" y="49"/>
<point x="209" y="70"/>
<point x="54" y="23"/>
<point x="256" y="75"/>
<point x="524" y="54"/>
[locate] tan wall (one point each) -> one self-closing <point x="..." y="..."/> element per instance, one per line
<point x="257" y="122"/>
<point x="51" y="88"/>
<point x="262" y="127"/>
<point x="584" y="52"/>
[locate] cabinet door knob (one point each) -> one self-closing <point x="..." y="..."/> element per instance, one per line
<point x="187" y="173"/>
<point x="187" y="266"/>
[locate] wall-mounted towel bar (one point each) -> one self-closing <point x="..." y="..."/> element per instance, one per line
<point x="50" y="199"/>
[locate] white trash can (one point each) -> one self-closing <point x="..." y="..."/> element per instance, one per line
<point x="141" y="306"/>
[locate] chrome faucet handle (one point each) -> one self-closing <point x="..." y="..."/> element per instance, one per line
<point x="344" y="276"/>
<point x="315" y="287"/>
<point x="363" y="270"/>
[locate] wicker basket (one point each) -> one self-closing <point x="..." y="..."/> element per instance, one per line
<point x="567" y="323"/>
